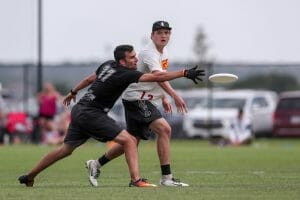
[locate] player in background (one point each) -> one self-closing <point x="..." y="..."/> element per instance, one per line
<point x="142" y="115"/>
<point x="241" y="130"/>
<point x="89" y="116"/>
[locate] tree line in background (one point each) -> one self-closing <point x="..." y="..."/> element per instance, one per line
<point x="65" y="75"/>
<point x="273" y="81"/>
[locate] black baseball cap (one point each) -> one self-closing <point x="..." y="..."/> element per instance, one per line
<point x="160" y="25"/>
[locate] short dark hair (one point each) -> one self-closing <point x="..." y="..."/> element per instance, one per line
<point x="119" y="52"/>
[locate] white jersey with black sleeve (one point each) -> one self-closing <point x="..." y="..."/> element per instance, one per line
<point x="150" y="59"/>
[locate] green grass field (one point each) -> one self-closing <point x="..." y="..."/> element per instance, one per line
<point x="268" y="169"/>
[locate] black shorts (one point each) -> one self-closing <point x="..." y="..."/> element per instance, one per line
<point x="89" y="122"/>
<point x="139" y="114"/>
<point x="48" y="117"/>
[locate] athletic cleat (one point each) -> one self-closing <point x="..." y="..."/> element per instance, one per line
<point x="93" y="172"/>
<point x="24" y="180"/>
<point x="172" y="182"/>
<point x="142" y="182"/>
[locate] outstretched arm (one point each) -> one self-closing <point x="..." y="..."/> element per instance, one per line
<point x="161" y="76"/>
<point x="193" y="74"/>
<point x="82" y="84"/>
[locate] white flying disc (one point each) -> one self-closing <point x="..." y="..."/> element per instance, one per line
<point x="223" y="78"/>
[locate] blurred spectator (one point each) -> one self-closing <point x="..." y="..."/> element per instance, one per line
<point x="241" y="132"/>
<point x="15" y="125"/>
<point x="2" y="117"/>
<point x="48" y="100"/>
<point x="19" y="127"/>
<point x="62" y="123"/>
<point x="35" y="135"/>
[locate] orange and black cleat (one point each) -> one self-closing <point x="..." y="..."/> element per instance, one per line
<point x="142" y="182"/>
<point x="25" y="180"/>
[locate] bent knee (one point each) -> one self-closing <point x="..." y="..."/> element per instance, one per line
<point x="164" y="131"/>
<point x="125" y="137"/>
<point x="132" y="139"/>
<point x="66" y="150"/>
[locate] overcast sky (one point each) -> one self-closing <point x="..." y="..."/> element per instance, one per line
<point x="87" y="30"/>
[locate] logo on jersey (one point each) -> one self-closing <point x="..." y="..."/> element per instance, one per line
<point x="106" y="72"/>
<point x="165" y="64"/>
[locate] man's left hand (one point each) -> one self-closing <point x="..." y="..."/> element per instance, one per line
<point x="194" y="74"/>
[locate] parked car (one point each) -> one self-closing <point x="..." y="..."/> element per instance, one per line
<point x="287" y="115"/>
<point x="214" y="117"/>
<point x="192" y="98"/>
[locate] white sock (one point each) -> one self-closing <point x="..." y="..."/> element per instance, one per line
<point x="167" y="177"/>
<point x="97" y="164"/>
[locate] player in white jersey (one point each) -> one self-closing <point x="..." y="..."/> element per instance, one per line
<point x="141" y="100"/>
<point x="150" y="60"/>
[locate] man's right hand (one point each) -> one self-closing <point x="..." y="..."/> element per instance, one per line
<point x="194" y="74"/>
<point x="180" y="104"/>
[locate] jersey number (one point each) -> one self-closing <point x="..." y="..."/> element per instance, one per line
<point x="106" y="73"/>
<point x="150" y="96"/>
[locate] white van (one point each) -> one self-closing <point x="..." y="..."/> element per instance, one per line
<point x="214" y="117"/>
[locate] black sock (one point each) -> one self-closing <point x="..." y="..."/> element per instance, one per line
<point x="103" y="160"/>
<point x="165" y="169"/>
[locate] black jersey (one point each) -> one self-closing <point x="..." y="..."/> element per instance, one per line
<point x="112" y="79"/>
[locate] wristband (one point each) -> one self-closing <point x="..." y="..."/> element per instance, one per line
<point x="72" y="92"/>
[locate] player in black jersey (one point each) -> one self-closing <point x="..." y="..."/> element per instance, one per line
<point x="89" y="116"/>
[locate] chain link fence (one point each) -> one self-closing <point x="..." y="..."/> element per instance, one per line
<point x="19" y="82"/>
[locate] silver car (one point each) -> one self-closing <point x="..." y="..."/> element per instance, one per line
<point x="214" y="116"/>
